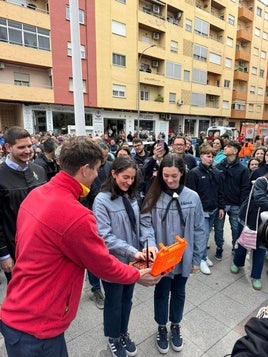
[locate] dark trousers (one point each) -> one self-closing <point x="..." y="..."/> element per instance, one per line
<point x="94" y="281"/>
<point x="117" y="307"/>
<point x="173" y="310"/>
<point x="21" y="344"/>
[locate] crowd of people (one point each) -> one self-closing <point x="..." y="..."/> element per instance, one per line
<point x="123" y="202"/>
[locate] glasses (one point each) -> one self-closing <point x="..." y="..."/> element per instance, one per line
<point x="178" y="144"/>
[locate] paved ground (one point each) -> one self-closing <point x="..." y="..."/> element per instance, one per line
<point x="217" y="307"/>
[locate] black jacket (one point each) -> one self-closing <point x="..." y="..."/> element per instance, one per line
<point x="206" y="181"/>
<point x="49" y="165"/>
<point x="255" y="343"/>
<point x="236" y="183"/>
<point x="14" y="187"/>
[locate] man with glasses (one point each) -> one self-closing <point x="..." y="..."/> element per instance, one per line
<point x="179" y="147"/>
<point x="141" y="154"/>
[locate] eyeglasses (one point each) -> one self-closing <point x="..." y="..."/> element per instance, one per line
<point x="178" y="144"/>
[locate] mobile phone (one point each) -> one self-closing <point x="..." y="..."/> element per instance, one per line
<point x="161" y="142"/>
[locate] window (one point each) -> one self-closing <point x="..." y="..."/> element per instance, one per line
<point x="188" y="25"/>
<point x="174" y="46"/>
<point x="173" y="70"/>
<point x="265" y="36"/>
<point x="263" y="54"/>
<point x="122" y="1"/>
<point x="229" y="41"/>
<point x="257" y="31"/>
<point x="119" y="60"/>
<point x="25" y="35"/>
<point x="226" y="83"/>
<point x="201" y="27"/>
<point x="265" y="15"/>
<point x="228" y="62"/>
<point x="254" y="70"/>
<point x="71" y="85"/>
<point x="250" y="107"/>
<point x="255" y="51"/>
<point x="260" y="91"/>
<point x="186" y="76"/>
<point x="119" y="91"/>
<point x="172" y="97"/>
<point x="252" y="89"/>
<point x="81" y="15"/>
<point x="21" y="79"/>
<point x="261" y="74"/>
<point x="200" y="53"/>
<point x="225" y="104"/>
<point x="144" y="95"/>
<point x="198" y="99"/>
<point x="258" y="108"/>
<point x="258" y="11"/>
<point x="118" y="28"/>
<point x="214" y="58"/>
<point x="231" y="19"/>
<point x="199" y="76"/>
<point x="70" y="50"/>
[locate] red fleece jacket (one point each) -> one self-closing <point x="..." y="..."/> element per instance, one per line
<point x="56" y="240"/>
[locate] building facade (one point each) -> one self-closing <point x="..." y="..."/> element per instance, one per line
<point x="146" y="65"/>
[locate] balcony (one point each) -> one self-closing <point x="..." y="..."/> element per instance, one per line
<point x="241" y="75"/>
<point x="152" y="79"/>
<point x="11" y="92"/>
<point x="238" y="114"/>
<point x="242" y="55"/>
<point x="239" y="95"/>
<point x="243" y="35"/>
<point x="245" y="14"/>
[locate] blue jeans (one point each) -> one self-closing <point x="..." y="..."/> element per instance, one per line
<point x="162" y="305"/>
<point x="209" y="221"/>
<point x="258" y="257"/>
<point x="21" y="344"/>
<point x="232" y="212"/>
<point x="94" y="281"/>
<point x="117" y="307"/>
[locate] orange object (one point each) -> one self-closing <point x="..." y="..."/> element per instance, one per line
<point x="166" y="258"/>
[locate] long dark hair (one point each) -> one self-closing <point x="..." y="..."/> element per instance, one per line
<point x="120" y="164"/>
<point x="169" y="160"/>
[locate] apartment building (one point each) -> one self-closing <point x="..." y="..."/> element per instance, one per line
<point x="148" y="64"/>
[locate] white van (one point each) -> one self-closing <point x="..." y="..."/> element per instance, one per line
<point x="232" y="132"/>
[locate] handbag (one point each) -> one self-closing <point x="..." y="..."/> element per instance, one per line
<point x="248" y="237"/>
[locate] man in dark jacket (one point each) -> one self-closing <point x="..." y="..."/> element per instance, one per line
<point x="18" y="176"/>
<point x="236" y="188"/>
<point x="46" y="159"/>
<point x="206" y="180"/>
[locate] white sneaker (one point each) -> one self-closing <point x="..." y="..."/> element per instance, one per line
<point x="209" y="262"/>
<point x="204" y="268"/>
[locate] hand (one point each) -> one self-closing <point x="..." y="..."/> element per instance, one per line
<point x="152" y="253"/>
<point x="7" y="265"/>
<point x="147" y="279"/>
<point x="221" y="213"/>
<point x="158" y="152"/>
<point x="140" y="255"/>
<point x="195" y="269"/>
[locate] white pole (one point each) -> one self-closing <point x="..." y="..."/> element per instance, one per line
<point x="79" y="111"/>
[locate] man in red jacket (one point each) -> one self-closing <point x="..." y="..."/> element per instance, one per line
<point x="56" y="240"/>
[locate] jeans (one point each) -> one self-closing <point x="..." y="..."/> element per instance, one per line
<point x="21" y="344"/>
<point x="209" y="220"/>
<point x="94" y="281"/>
<point x="258" y="256"/>
<point x="232" y="212"/>
<point x="117" y="307"/>
<point x="176" y="287"/>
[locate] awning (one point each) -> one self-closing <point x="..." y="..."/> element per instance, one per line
<point x="159" y="2"/>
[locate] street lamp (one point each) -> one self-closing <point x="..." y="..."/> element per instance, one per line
<point x="139" y="87"/>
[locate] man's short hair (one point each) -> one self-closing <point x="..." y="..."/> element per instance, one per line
<point x="78" y="151"/>
<point x="225" y="136"/>
<point x="49" y="145"/>
<point x="15" y="133"/>
<point x="137" y="141"/>
<point x="234" y="144"/>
